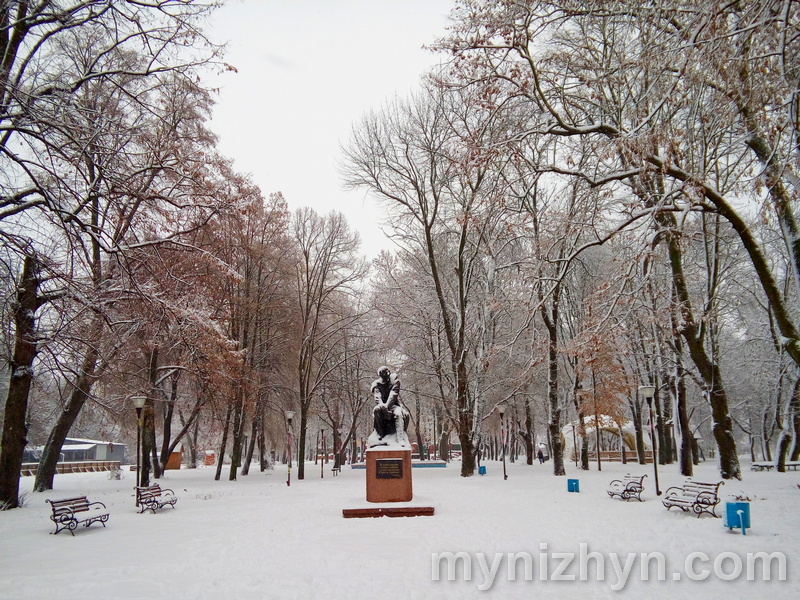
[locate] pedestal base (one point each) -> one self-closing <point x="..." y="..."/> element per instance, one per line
<point x="388" y="511"/>
<point x="389" y="475"/>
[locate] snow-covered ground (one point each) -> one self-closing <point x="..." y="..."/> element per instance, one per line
<point x="256" y="538"/>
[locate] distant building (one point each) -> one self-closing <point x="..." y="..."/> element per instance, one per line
<point x="78" y="449"/>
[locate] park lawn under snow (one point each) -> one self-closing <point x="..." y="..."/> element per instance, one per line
<point x="257" y="538"/>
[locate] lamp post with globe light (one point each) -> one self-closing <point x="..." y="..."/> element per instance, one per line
<point x="138" y="403"/>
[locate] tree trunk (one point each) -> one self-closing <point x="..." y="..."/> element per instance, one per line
<point x="301" y="451"/>
<point x="444" y="445"/>
<point x="794" y="419"/>
<point x="584" y="454"/>
<point x="262" y="444"/>
<point x="418" y="430"/>
<point x="685" y="461"/>
<point x="529" y="433"/>
<point x="77" y="398"/>
<point x="238" y="431"/>
<point x="191" y="427"/>
<point x="465" y="420"/>
<point x="664" y="416"/>
<point x="551" y="324"/>
<point x="251" y="447"/>
<point x="664" y="445"/>
<point x="224" y="442"/>
<point x="149" y="459"/>
<point x="636" y="418"/>
<point x="15" y="427"/>
<point x="787" y="426"/>
<point x="193" y="449"/>
<point x="708" y="369"/>
<point x="168" y="413"/>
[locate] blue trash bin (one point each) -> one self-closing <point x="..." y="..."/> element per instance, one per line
<point x="481" y="470"/>
<point x="737" y="514"/>
<point x="573" y="485"/>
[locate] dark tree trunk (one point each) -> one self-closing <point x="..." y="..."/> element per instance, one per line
<point x="794" y="419"/>
<point x="783" y="451"/>
<point x="238" y="432"/>
<point x="168" y="413"/>
<point x="262" y="444"/>
<point x="251" y="447"/>
<point x="465" y="420"/>
<point x="784" y="442"/>
<point x="77" y="398"/>
<point x="664" y="445"/>
<point x="149" y="458"/>
<point x="336" y="446"/>
<point x="551" y="324"/>
<point x="708" y="369"/>
<point x="418" y="430"/>
<point x="301" y="451"/>
<point x="666" y="448"/>
<point x="224" y="442"/>
<point x="15" y="427"/>
<point x="148" y="464"/>
<point x="191" y="428"/>
<point x="584" y="456"/>
<point x="528" y="435"/>
<point x="636" y="417"/>
<point x="682" y="423"/>
<point x="444" y="445"/>
<point x="193" y="449"/>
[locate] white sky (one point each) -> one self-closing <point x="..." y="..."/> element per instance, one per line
<point x="307" y="71"/>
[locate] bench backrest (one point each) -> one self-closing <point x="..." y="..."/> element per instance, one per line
<point x="78" y="504"/>
<point x="152" y="490"/>
<point x="699" y="487"/>
<point x="634" y="478"/>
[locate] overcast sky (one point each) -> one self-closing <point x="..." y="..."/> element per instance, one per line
<point x="307" y="71"/>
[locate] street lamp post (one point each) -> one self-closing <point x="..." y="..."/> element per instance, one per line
<point x="138" y="402"/>
<point x="289" y="417"/>
<point x="502" y="411"/>
<point x="647" y="392"/>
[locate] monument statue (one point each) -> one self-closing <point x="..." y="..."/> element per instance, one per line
<point x="389" y="415"/>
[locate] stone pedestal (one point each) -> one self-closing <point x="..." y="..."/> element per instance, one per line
<point x="389" y="475"/>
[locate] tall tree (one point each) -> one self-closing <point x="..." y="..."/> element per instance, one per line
<point x="327" y="272"/>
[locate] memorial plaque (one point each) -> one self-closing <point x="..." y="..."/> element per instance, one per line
<point x="389" y="468"/>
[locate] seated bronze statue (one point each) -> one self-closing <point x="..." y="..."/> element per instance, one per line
<point x="390" y="417"/>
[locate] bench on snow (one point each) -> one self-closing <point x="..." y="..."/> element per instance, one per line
<point x="697" y="496"/>
<point x="768" y="466"/>
<point x="68" y="513"/>
<point x="628" y="487"/>
<point x="152" y="497"/>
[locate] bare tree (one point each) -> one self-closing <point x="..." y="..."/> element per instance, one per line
<point x="327" y="272"/>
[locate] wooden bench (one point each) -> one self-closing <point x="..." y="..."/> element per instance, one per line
<point x="761" y="466"/>
<point x="697" y="496"/>
<point x="152" y="497"/>
<point x="768" y="466"/>
<point x="69" y="512"/>
<point x="628" y="487"/>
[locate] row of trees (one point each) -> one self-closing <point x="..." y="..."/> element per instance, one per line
<point x="598" y="195"/>
<point x="584" y="199"/>
<point x="135" y="260"/>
